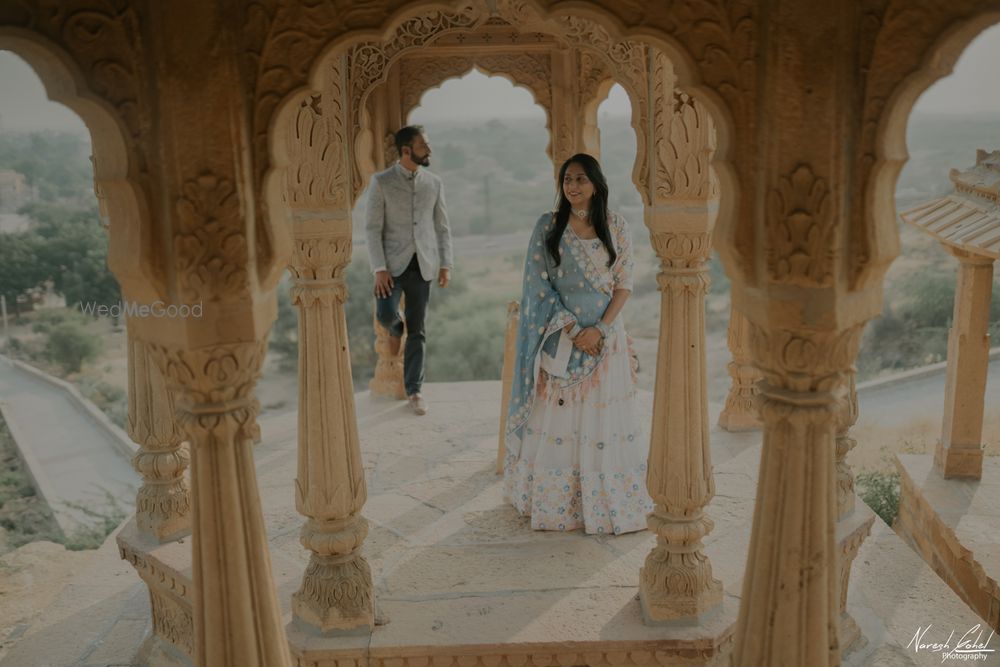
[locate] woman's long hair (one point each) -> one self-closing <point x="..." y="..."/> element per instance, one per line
<point x="598" y="208"/>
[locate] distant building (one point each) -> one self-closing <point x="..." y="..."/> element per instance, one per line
<point x="14" y="191"/>
<point x="12" y="222"/>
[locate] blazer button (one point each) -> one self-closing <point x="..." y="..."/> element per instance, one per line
<point x="561" y="401"/>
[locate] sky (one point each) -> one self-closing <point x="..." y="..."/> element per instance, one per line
<point x="973" y="88"/>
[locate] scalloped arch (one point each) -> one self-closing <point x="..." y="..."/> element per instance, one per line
<point x="890" y="150"/>
<point x="466" y="65"/>
<point x="116" y="175"/>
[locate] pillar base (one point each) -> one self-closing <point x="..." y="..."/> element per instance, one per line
<point x="736" y="421"/>
<point x="663" y="607"/>
<point x="335" y="597"/>
<point x="388" y="380"/>
<point x="959" y="463"/>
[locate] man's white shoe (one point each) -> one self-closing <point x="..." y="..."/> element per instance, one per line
<point x="417" y="403"/>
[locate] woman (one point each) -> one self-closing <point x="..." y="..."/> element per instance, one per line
<point x="576" y="455"/>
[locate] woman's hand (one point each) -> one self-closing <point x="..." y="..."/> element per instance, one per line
<point x="589" y="341"/>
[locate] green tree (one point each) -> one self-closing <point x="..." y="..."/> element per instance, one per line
<point x="71" y="249"/>
<point x="19" y="267"/>
<point x="70" y="346"/>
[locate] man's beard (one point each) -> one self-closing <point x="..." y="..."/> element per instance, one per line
<point x="424" y="161"/>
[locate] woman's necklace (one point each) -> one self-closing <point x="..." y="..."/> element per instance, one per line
<point x="582" y="213"/>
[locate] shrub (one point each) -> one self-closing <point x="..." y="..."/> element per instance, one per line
<point x="880" y="491"/>
<point x="70" y="346"/>
<point x="465" y="339"/>
<point x="110" y="399"/>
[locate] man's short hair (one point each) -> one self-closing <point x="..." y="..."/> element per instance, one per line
<point x="406" y="135"/>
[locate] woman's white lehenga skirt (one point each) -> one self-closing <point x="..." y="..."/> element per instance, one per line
<point x="582" y="462"/>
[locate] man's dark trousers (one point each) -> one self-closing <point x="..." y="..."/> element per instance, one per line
<point x="418" y="293"/>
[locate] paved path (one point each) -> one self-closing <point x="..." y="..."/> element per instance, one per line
<point x="897" y="404"/>
<point x="74" y="460"/>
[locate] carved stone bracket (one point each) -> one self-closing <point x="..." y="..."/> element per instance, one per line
<point x="800" y="229"/>
<point x="210" y="244"/>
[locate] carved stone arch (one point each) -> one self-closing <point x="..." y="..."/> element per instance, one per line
<point x="901" y="65"/>
<point x="711" y="47"/>
<point x="530" y="71"/>
<point x="526" y="70"/>
<point x="111" y="118"/>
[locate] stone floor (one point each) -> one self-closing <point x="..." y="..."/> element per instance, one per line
<point x="458" y="573"/>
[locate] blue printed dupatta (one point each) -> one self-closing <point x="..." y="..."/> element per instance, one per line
<point x="553" y="297"/>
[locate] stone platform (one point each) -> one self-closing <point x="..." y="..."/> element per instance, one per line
<point x="955" y="525"/>
<point x="460" y="576"/>
<point x="461" y="580"/>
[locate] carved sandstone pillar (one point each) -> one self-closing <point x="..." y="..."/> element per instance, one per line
<point x="959" y="453"/>
<point x="806" y="242"/>
<point x="163" y="503"/>
<point x="237" y="618"/>
<point x="218" y="243"/>
<point x="676" y="580"/>
<point x="387" y="381"/>
<point x="336" y="591"/>
<point x="791" y="584"/>
<point x="507" y="378"/>
<point x="741" y="412"/>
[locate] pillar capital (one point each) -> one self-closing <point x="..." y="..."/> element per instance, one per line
<point x="805" y="361"/>
<point x="317" y="267"/>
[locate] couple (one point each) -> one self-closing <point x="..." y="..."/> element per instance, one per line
<point x="576" y="452"/>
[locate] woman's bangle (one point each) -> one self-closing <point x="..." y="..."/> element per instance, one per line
<point x="603" y="328"/>
<point x="575" y="331"/>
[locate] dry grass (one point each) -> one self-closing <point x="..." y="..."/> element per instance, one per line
<point x="877" y="444"/>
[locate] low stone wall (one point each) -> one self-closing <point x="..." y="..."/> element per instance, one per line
<point x="939" y="546"/>
<point x="119" y="438"/>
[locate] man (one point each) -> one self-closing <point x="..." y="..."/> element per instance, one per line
<point x="409" y="242"/>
